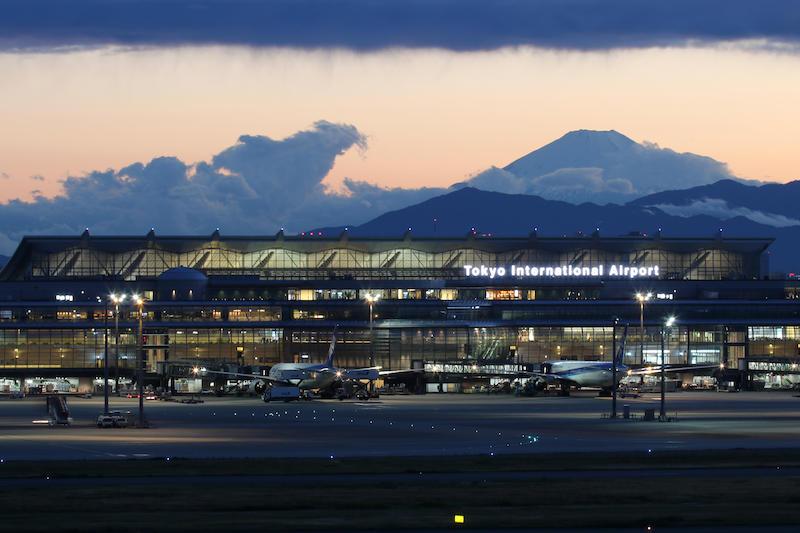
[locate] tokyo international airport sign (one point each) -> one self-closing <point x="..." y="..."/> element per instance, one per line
<point x="561" y="271"/>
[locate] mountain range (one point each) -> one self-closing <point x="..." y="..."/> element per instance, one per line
<point x="652" y="189"/>
<point x="488" y="213"/>
<point x="773" y="204"/>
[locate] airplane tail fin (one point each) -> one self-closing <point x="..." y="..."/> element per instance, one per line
<point x="618" y="357"/>
<point x="331" y="349"/>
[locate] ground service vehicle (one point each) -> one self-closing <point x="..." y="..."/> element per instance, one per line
<point x="286" y="393"/>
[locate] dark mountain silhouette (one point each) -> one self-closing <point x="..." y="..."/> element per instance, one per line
<point x="769" y="199"/>
<point x="497" y="214"/>
<point x="461" y="211"/>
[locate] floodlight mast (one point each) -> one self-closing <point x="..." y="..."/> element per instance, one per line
<point x="116" y="299"/>
<point x="138" y="301"/>
<point x="642" y="298"/>
<point x="371" y="299"/>
<point x="105" y="357"/>
<point x="666" y="328"/>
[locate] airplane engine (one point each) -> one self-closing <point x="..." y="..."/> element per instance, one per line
<point x="257" y="387"/>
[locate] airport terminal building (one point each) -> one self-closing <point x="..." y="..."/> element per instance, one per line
<point x="457" y="303"/>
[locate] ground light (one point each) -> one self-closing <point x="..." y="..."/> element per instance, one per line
<point x="458" y="519"/>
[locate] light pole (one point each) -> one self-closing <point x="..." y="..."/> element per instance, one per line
<point x="105" y="358"/>
<point x="139" y="303"/>
<point x="665" y="328"/>
<point x="642" y="298"/>
<point x="116" y="299"/>
<point x="371" y="299"/>
<point x="614" y="368"/>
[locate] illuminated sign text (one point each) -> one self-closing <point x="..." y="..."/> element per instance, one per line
<point x="564" y="271"/>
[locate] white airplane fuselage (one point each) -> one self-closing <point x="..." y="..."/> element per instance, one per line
<point x="591" y="374"/>
<point x="307" y="376"/>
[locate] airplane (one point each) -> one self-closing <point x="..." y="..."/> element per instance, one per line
<point x="580" y="374"/>
<point x="285" y="381"/>
<point x="594" y="374"/>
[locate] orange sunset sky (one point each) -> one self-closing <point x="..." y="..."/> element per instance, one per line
<point x="432" y="117"/>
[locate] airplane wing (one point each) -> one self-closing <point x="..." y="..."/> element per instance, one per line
<point x="657" y="369"/>
<point x="204" y="371"/>
<point x="396" y="372"/>
<point x="371" y="373"/>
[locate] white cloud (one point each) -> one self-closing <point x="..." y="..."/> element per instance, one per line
<point x="720" y="209"/>
<point x="568" y="184"/>
<point x="258" y="185"/>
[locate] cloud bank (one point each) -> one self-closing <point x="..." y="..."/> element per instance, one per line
<point x="567" y="184"/>
<point x="370" y="25"/>
<point x="720" y="209"/>
<point x="258" y="185"/>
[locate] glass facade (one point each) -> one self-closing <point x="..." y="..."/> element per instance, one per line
<point x="260" y="301"/>
<point x="324" y="257"/>
<point x="61" y="348"/>
<point x="395" y="348"/>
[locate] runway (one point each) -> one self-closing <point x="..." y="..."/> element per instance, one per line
<point x="402" y="425"/>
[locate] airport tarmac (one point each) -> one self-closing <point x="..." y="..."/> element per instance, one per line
<point x="433" y="424"/>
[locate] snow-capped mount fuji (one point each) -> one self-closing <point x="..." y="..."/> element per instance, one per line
<point x="576" y="149"/>
<point x="602" y="167"/>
